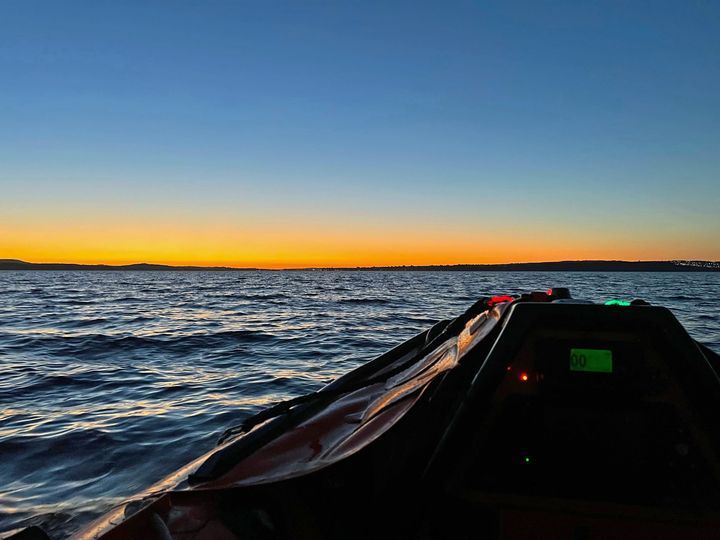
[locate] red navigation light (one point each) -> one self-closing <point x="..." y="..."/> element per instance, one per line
<point x="523" y="377"/>
<point x="499" y="299"/>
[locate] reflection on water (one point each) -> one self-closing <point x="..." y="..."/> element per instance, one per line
<point x="113" y="380"/>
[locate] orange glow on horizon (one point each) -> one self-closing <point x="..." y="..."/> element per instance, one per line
<point x="322" y="244"/>
<point x="293" y="260"/>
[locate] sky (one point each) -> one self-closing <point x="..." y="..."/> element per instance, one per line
<point x="342" y="133"/>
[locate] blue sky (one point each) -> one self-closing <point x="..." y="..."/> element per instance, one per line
<point x="575" y="117"/>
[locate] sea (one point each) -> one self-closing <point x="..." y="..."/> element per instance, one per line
<point x="112" y="380"/>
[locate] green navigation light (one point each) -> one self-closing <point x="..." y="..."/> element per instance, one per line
<point x="617" y="303"/>
<point x="591" y="360"/>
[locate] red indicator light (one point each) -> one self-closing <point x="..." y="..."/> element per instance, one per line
<point x="523" y="377"/>
<point x="499" y="299"/>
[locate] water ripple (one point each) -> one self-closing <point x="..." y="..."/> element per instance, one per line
<point x="113" y="380"/>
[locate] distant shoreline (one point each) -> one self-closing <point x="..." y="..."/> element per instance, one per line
<point x="558" y="266"/>
<point x="13" y="264"/>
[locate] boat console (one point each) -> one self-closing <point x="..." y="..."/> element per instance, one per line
<point x="588" y="421"/>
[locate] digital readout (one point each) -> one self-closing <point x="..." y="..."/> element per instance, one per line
<point x="591" y="360"/>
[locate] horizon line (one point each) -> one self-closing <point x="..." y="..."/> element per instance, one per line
<point x="356" y="267"/>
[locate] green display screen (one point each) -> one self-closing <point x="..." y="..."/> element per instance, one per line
<point x="592" y="360"/>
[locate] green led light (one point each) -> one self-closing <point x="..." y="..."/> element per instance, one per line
<point x="591" y="360"/>
<point x="617" y="303"/>
<point x="527" y="459"/>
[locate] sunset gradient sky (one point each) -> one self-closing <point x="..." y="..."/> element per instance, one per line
<point x="286" y="134"/>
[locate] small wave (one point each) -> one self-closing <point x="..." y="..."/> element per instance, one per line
<point x="209" y="341"/>
<point x="682" y="297"/>
<point x="51" y="383"/>
<point x="424" y="321"/>
<point x="27" y="451"/>
<point x="126" y="300"/>
<point x="268" y="296"/>
<point x="75" y="302"/>
<point x="81" y="323"/>
<point x="467" y="298"/>
<point x="366" y="301"/>
<point x="139" y="319"/>
<point x="362" y="343"/>
<point x="61" y="523"/>
<point x="103" y="344"/>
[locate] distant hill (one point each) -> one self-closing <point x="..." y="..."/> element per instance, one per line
<point x="559" y="266"/>
<point x="564" y="266"/>
<point x="14" y="264"/>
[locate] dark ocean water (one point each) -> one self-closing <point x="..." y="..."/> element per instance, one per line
<point x="112" y="380"/>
